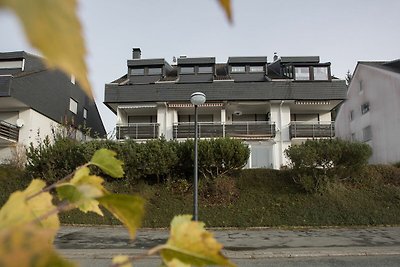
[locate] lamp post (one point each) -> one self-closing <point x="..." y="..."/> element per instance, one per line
<point x="197" y="99"/>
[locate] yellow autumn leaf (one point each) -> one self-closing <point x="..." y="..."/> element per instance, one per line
<point x="82" y="176"/>
<point x="226" y="5"/>
<point x="29" y="246"/>
<point x="83" y="190"/>
<point x="176" y="263"/>
<point x="54" y="29"/>
<point x="122" y="261"/>
<point x="190" y="243"/>
<point x="20" y="210"/>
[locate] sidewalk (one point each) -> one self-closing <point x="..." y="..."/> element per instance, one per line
<point x="103" y="242"/>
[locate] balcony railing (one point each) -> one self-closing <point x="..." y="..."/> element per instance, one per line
<point x="251" y="129"/>
<point x="302" y="129"/>
<point x="137" y="131"/>
<point x="9" y="131"/>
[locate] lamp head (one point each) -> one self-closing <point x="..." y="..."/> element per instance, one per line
<point x="198" y="98"/>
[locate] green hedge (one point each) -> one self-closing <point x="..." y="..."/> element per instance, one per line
<point x="153" y="161"/>
<point x="316" y="163"/>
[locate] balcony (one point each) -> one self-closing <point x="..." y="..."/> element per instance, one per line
<point x="302" y="129"/>
<point x="8" y="131"/>
<point x="244" y="130"/>
<point x="137" y="131"/>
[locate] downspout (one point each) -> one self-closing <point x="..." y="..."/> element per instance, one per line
<point x="280" y="135"/>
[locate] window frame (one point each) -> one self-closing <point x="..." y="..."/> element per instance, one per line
<point x="200" y="70"/>
<point x="85" y="113"/>
<point x="235" y="69"/>
<point x="73" y="105"/>
<point x="256" y="71"/>
<point x="365" y="108"/>
<point x="303" y="78"/>
<point x="184" y="70"/>
<point x="159" y="72"/>
<point x="137" y="74"/>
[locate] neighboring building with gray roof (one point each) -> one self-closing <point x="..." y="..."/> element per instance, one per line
<point x="270" y="105"/>
<point x="371" y="112"/>
<point x="35" y="100"/>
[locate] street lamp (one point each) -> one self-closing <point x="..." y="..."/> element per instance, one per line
<point x="197" y="99"/>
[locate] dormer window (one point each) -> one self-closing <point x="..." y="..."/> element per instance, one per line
<point x="302" y="73"/>
<point x="238" y="69"/>
<point x="256" y="68"/>
<point x="207" y="69"/>
<point x="187" y="70"/>
<point x="154" y="71"/>
<point x="137" y="71"/>
<point x="321" y="73"/>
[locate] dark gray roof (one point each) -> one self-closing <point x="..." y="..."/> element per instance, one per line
<point x="48" y="92"/>
<point x="146" y="62"/>
<point x="393" y="66"/>
<point x="227" y="90"/>
<point x="248" y="60"/>
<point x="196" y="60"/>
<point x="309" y="59"/>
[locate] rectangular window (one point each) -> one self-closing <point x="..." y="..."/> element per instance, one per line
<point x="351" y="115"/>
<point x="238" y="69"/>
<point x="353" y="137"/>
<point x="321" y="73"/>
<point x="364" y="108"/>
<point x="367" y="133"/>
<point x="302" y="73"/>
<point x="256" y="68"/>
<point x="205" y="70"/>
<point x="85" y="113"/>
<point x="137" y="71"/>
<point x="73" y="79"/>
<point x="187" y="70"/>
<point x="154" y="71"/>
<point x="73" y="106"/>
<point x="12" y="64"/>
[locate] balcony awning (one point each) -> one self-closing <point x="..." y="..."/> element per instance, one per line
<point x="138" y="106"/>
<point x="184" y="105"/>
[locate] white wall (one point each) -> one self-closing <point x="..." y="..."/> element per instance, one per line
<point x="382" y="90"/>
<point x="280" y="114"/>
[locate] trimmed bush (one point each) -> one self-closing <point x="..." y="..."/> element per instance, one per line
<point x="316" y="163"/>
<point x="153" y="161"/>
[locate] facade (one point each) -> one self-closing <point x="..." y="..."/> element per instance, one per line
<point x="35" y="100"/>
<point x="371" y="113"/>
<point x="269" y="105"/>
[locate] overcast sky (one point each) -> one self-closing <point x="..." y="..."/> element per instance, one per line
<point x="339" y="31"/>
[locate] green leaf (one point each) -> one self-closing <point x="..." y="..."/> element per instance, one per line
<point x="19" y="210"/>
<point x="82" y="176"/>
<point x="54" y="29"/>
<point x="128" y="209"/>
<point x="190" y="243"/>
<point x="29" y="246"/>
<point x="106" y="161"/>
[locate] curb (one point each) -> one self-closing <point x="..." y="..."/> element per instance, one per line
<point x="265" y="253"/>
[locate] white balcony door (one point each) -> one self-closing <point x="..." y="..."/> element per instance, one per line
<point x="261" y="156"/>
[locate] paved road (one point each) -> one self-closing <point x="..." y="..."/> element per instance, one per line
<point x="255" y="247"/>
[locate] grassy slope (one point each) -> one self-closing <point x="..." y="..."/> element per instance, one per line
<point x="267" y="198"/>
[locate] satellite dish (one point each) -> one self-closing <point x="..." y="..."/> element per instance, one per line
<point x="20" y="123"/>
<point x="237" y="113"/>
